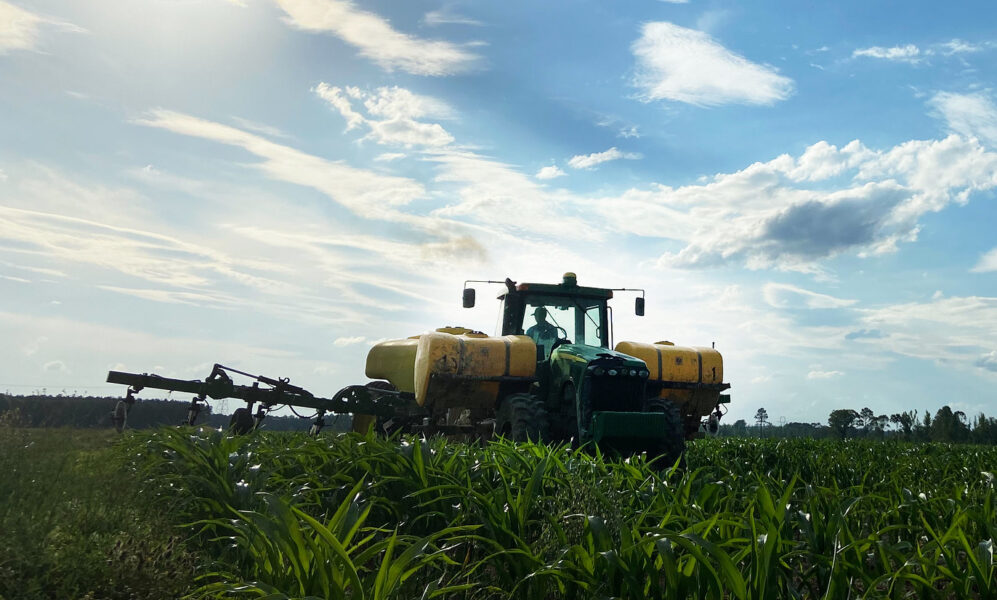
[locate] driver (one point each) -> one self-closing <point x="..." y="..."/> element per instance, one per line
<point x="543" y="333"/>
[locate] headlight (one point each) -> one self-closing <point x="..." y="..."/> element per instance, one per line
<point x="612" y="372"/>
<point x="644" y="373"/>
<point x="599" y="370"/>
<point x="633" y="372"/>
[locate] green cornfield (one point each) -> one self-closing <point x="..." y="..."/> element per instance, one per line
<point x="286" y="516"/>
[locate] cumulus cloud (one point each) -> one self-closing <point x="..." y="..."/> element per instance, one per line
<point x="824" y="374"/>
<point x="19" y="29"/>
<point x="987" y="263"/>
<point x="392" y="114"/>
<point x="790" y="213"/>
<point x="376" y="39"/>
<point x="781" y="295"/>
<point x="968" y="114"/>
<point x="685" y="65"/>
<point x="908" y="53"/>
<point x="590" y="161"/>
<point x="550" y="172"/>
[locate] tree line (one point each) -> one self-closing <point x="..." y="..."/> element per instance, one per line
<point x="944" y="425"/>
<point x="40" y="410"/>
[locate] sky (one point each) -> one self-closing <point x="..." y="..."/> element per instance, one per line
<point x="276" y="185"/>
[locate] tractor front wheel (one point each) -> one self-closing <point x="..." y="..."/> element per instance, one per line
<point x="670" y="448"/>
<point x="521" y="418"/>
<point x="241" y="422"/>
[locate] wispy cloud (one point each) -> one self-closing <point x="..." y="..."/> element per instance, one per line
<point x="20" y="29"/>
<point x="363" y="192"/>
<point x="685" y="65"/>
<point x="908" y="53"/>
<point x="824" y="374"/>
<point x="377" y="40"/>
<point x="341" y="342"/>
<point x="446" y="17"/>
<point x="780" y="295"/>
<point x="590" y="161"/>
<point x="968" y="114"/>
<point x="550" y="172"/>
<point x="392" y="114"/>
<point x="957" y="46"/>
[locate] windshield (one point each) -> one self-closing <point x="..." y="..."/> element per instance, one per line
<point x="548" y="319"/>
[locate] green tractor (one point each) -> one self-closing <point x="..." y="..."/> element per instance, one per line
<point x="550" y="375"/>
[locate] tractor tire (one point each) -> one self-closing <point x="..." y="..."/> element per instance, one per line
<point x="242" y="421"/>
<point x="671" y="448"/>
<point x="385" y="426"/>
<point x="522" y="418"/>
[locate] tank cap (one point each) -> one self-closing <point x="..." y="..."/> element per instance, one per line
<point x="570" y="280"/>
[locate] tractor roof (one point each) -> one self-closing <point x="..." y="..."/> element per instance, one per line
<point x="569" y="287"/>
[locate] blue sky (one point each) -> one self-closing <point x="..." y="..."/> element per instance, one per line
<point x="276" y="185"/>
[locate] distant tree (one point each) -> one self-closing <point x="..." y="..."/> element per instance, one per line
<point x="841" y="420"/>
<point x="949" y="426"/>
<point x="905" y="421"/>
<point x="761" y="419"/>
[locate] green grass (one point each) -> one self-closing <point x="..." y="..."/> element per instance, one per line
<point x="354" y="517"/>
<point x="75" y="524"/>
<point x="280" y="516"/>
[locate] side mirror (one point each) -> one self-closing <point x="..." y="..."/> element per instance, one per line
<point x="639" y="307"/>
<point x="468" y="297"/>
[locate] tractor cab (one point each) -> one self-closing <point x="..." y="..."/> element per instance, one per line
<point x="553" y="315"/>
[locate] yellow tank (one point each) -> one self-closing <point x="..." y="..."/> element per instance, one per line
<point x="668" y="363"/>
<point x="453" y="366"/>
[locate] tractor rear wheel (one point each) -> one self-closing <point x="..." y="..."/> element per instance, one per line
<point x="670" y="448"/>
<point x="241" y="422"/>
<point x="521" y="418"/>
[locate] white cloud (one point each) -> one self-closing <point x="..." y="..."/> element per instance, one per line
<point x="260" y="128"/>
<point x="363" y="192"/>
<point x="389" y="156"/>
<point x="3" y="176"/>
<point x="19" y="29"/>
<point x="791" y="212"/>
<point x="550" y="172"/>
<point x="445" y="17"/>
<point x="957" y="46"/>
<point x="392" y="114"/>
<point x="824" y="374"/>
<point x="56" y="366"/>
<point x="909" y="53"/>
<point x="589" y="161"/>
<point x="341" y="342"/>
<point x="376" y="39"/>
<point x="955" y="330"/>
<point x="685" y="65"/>
<point x="988" y="361"/>
<point x="780" y="295"/>
<point x="987" y="263"/>
<point x="968" y="114"/>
